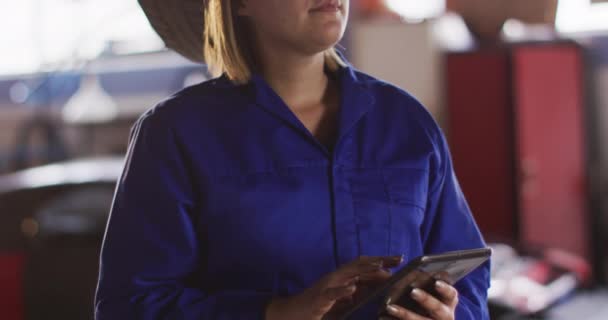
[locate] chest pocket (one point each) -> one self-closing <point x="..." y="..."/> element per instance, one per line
<point x="389" y="207"/>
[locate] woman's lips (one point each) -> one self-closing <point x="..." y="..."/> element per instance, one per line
<point x="329" y="7"/>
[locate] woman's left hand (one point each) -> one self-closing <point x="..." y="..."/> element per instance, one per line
<point x="442" y="308"/>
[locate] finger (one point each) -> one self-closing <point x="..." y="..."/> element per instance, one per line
<point x="387" y="261"/>
<point x="403" y="314"/>
<point x="352" y="270"/>
<point x="384" y="262"/>
<point x="363" y="264"/>
<point x="436" y="308"/>
<point x="339" y="278"/>
<point x="333" y="294"/>
<point x="393" y="261"/>
<point x="375" y="276"/>
<point x="448" y="293"/>
<point x="399" y="288"/>
<point x="366" y="260"/>
<point x="343" y="304"/>
<point x="330" y="296"/>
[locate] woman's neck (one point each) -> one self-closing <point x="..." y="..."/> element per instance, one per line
<point x="299" y="80"/>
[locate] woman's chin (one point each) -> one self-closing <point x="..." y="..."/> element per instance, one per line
<point x="325" y="42"/>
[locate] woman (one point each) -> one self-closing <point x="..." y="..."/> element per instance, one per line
<point x="284" y="187"/>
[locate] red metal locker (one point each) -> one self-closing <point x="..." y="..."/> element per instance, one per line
<point x="549" y="111"/>
<point x="516" y="130"/>
<point x="11" y="288"/>
<point x="480" y="132"/>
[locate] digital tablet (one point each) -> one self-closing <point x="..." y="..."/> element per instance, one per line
<point x="422" y="273"/>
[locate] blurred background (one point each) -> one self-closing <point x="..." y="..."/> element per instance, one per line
<point x="519" y="86"/>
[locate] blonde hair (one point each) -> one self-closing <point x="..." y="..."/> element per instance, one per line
<point x="227" y="48"/>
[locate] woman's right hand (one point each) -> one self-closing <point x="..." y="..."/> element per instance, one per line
<point x="339" y="286"/>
